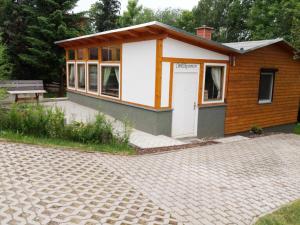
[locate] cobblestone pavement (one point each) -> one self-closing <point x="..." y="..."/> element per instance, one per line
<point x="228" y="183"/>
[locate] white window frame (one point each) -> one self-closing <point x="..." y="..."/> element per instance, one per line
<point x="88" y="78"/>
<point x="75" y="82"/>
<point x="77" y="88"/>
<point x="224" y="83"/>
<point x="100" y="80"/>
<point x="268" y="101"/>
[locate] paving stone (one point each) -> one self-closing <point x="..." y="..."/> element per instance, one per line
<point x="229" y="183"/>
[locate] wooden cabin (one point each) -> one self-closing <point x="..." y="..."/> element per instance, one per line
<point x="169" y="82"/>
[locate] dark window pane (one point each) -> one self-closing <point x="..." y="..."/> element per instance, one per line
<point x="93" y="53"/>
<point x="80" y="54"/>
<point x="214" y="78"/>
<point x="266" y="87"/>
<point x="93" y="77"/>
<point x="110" y="78"/>
<point x="111" y="54"/>
<point x="105" y="54"/>
<point x="71" y="54"/>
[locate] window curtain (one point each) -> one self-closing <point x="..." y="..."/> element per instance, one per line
<point x="106" y="74"/>
<point x="216" y="73"/>
<point x="117" y="73"/>
<point x="81" y="76"/>
<point x="93" y="75"/>
<point x="71" y="73"/>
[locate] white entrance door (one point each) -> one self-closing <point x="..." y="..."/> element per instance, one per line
<point x="185" y="95"/>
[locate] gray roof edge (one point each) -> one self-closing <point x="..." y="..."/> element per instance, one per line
<point x="271" y="42"/>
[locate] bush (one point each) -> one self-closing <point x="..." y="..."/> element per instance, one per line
<point x="256" y="130"/>
<point x="39" y="121"/>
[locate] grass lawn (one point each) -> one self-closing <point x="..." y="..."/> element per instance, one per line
<point x="288" y="215"/>
<point x="297" y="129"/>
<point x="47" y="142"/>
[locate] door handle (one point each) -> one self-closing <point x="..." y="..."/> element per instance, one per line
<point x="194" y="105"/>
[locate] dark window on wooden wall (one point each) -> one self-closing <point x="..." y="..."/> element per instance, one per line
<point x="71" y="54"/>
<point x="266" y="87"/>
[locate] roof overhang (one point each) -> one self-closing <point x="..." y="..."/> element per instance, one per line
<point x="151" y="30"/>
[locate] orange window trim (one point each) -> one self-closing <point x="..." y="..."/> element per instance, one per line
<point x="158" y="77"/>
<point x="171" y="85"/>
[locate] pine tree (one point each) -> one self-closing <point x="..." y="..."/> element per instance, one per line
<point x="30" y="41"/>
<point x="104" y="14"/>
<point x="5" y="66"/>
<point x="132" y="14"/>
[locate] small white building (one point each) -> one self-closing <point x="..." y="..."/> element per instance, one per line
<point x="163" y="80"/>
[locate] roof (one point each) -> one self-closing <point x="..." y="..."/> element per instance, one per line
<point x="247" y="46"/>
<point x="155" y="28"/>
<point x="146" y="29"/>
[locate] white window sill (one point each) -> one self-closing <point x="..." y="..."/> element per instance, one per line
<point x="264" y="102"/>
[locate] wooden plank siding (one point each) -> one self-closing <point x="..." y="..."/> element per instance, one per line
<point x="243" y="110"/>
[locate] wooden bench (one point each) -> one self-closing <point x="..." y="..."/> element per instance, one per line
<point x="19" y="87"/>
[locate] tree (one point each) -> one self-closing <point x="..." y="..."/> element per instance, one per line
<point x="132" y="14"/>
<point x="275" y="18"/>
<point x="5" y="66"/>
<point x="227" y="17"/>
<point x="104" y="14"/>
<point x="30" y="29"/>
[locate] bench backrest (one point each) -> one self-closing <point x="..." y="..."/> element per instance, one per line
<point x="22" y="85"/>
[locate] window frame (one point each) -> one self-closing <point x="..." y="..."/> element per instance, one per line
<point x="68" y="54"/>
<point x="89" y="51"/>
<point x="83" y="52"/>
<point x="77" y="88"/>
<point x="100" y="80"/>
<point x="88" y="78"/>
<point x="224" y="65"/>
<point x="108" y="47"/>
<point x="75" y="75"/>
<point x="271" y="73"/>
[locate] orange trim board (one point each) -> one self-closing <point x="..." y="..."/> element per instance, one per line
<point x="158" y="73"/>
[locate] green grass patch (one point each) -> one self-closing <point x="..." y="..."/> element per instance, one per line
<point x="297" y="129"/>
<point x="113" y="148"/>
<point x="288" y="215"/>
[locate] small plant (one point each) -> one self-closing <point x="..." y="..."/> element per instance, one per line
<point x="256" y="130"/>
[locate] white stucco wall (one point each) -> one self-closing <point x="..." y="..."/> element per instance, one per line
<point x="177" y="49"/>
<point x="138" y="72"/>
<point x="165" y="84"/>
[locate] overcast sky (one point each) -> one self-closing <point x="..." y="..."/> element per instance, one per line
<point x="84" y="5"/>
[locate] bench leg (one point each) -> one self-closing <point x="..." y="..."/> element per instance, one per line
<point x="37" y="97"/>
<point x="16" y="98"/>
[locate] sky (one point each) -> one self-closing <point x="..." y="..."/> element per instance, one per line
<point x="84" y="5"/>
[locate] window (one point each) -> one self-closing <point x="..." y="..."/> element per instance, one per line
<point x="214" y="83"/>
<point x="93" y="53"/>
<point x="80" y="54"/>
<point x="110" y="80"/>
<point x="111" y="54"/>
<point x="93" y="77"/>
<point x="71" y="75"/>
<point x="81" y="75"/>
<point x="266" y="85"/>
<point x="71" y="54"/>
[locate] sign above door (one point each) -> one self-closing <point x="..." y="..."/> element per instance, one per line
<point x="185" y="68"/>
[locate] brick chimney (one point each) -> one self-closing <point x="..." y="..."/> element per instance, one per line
<point x="204" y="31"/>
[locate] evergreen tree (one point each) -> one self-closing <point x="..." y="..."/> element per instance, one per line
<point x="30" y="40"/>
<point x="104" y="14"/>
<point x="5" y="66"/>
<point x="132" y="14"/>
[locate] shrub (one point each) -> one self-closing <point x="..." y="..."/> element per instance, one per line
<point x="256" y="129"/>
<point x="39" y="121"/>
